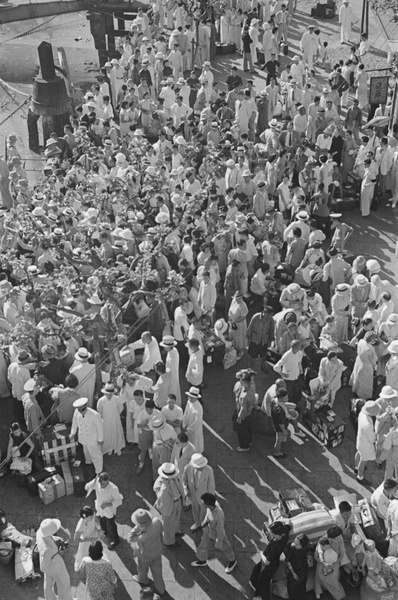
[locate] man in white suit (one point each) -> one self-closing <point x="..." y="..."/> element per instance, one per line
<point x="345" y="20"/>
<point x="182" y="452"/>
<point x="198" y="479"/>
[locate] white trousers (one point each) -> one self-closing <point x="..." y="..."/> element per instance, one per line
<point x="93" y="454"/>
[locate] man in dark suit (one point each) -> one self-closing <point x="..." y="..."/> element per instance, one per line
<point x="288" y="137"/>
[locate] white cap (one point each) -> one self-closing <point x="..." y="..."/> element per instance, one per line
<point x="80" y="402"/>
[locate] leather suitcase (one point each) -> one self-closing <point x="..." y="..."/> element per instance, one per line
<point x="80" y="479"/>
<point x="272" y="356"/>
<point x="345" y="378"/>
<point x="223" y="49"/>
<point x="32" y="481"/>
<point x="285" y="49"/>
<point x="371" y="525"/>
<point x="354" y="181"/>
<point x="295" y="501"/>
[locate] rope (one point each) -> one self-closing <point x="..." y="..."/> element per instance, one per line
<point x="16" y="110"/>
<point x="54" y="410"/>
<point x="29" y="31"/>
<point x="9" y="87"/>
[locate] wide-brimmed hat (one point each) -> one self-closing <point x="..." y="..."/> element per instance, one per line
<point x="30" y="385"/>
<point x="193" y="392"/>
<point x="198" y="460"/>
<point x="393" y="347"/>
<point x="48" y="350"/>
<point x="162" y="218"/>
<point x="141" y="517"/>
<point x="373" y="265"/>
<point x="49" y="527"/>
<point x="361" y="279"/>
<point x="293" y="288"/>
<point x="126" y="234"/>
<point x="95" y="299"/>
<point x="302" y="215"/>
<point x="372" y="408"/>
<point x="168" y="470"/>
<point x="168" y="342"/>
<point x="392" y="319"/>
<point x="108" y="388"/>
<point x="220" y="326"/>
<point x="387" y="392"/>
<point x="157" y="423"/>
<point x="274" y="123"/>
<point x="82" y="354"/>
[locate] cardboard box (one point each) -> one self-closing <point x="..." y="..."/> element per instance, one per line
<point x="67" y="476"/>
<point x="51" y="489"/>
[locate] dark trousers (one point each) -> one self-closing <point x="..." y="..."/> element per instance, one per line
<point x="324" y="224"/>
<point x="19" y="414"/>
<point x="293" y="389"/>
<point x="109" y="527"/>
<point x="244" y="433"/>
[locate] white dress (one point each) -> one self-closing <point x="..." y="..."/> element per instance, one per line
<point x="193" y="424"/>
<point x="110" y="410"/>
<point x="172" y="365"/>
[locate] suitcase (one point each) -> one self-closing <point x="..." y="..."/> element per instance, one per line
<point x="67" y="476"/>
<point x="295" y="501"/>
<point x="348" y="354"/>
<point x="355" y="409"/>
<point x="285" y="49"/>
<point x="344" y="204"/>
<point x="345" y="377"/>
<point x="317" y="400"/>
<point x="354" y="181"/>
<point x="272" y="356"/>
<point x="80" y="479"/>
<point x="370" y="524"/>
<point x="328" y="427"/>
<point x="223" y="49"/>
<point x="32" y="481"/>
<point x="277" y="513"/>
<point x="314" y="524"/>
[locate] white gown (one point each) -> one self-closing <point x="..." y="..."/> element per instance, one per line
<point x="113" y="430"/>
<point x="172" y="365"/>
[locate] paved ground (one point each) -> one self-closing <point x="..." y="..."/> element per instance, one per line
<point x="247" y="484"/>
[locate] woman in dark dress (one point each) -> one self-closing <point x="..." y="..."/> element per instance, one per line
<point x="297" y="567"/>
<point x="263" y="572"/>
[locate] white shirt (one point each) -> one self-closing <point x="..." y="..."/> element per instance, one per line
<point x="90" y="427"/>
<point x="109" y="494"/>
<point x="290" y="365"/>
<point x="151" y="354"/>
<point x="380" y="502"/>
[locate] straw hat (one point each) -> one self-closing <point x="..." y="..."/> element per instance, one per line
<point x="49" y="527"/>
<point x="193" y="392"/>
<point x="168" y="470"/>
<point x="387" y="392"/>
<point x="141" y="517"/>
<point x="198" y="460"/>
<point x="82" y="354"/>
<point x="168" y="342"/>
<point x="372" y="408"/>
<point x="108" y="388"/>
<point x="157" y="423"/>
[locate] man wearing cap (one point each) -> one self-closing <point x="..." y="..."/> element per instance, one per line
<point x="197" y="479"/>
<point x="85" y="373"/>
<point x="309" y="46"/>
<point x="146" y="540"/>
<point x="91" y="433"/>
<point x="169" y="497"/>
<point x="108" y="499"/>
<point x="49" y="547"/>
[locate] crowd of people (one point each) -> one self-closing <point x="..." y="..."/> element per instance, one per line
<point x="175" y="215"/>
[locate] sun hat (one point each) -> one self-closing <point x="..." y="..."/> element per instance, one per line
<point x="361" y="280"/>
<point x="302" y="215"/>
<point x="293" y="288"/>
<point x="126" y="234"/>
<point x="246" y="173"/>
<point x="114" y="61"/>
<point x="387" y="392"/>
<point x="30" y="385"/>
<point x="162" y="218"/>
<point x="49" y="527"/>
<point x="168" y="342"/>
<point x="95" y="299"/>
<point x="392" y="319"/>
<point x="157" y="423"/>
<point x="274" y="123"/>
<point x="373" y="266"/>
<point x="159" y="55"/>
<point x="198" y="460"/>
<point x="193" y="392"/>
<point x="23" y="357"/>
<point x="372" y="408"/>
<point x="80" y="402"/>
<point x="108" y="388"/>
<point x="230" y="163"/>
<point x="220" y="326"/>
<point x="393" y="347"/>
<point x="168" y="470"/>
<point x="138" y="132"/>
<point x="342" y="287"/>
<point x="141" y="517"/>
<point x="82" y="354"/>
